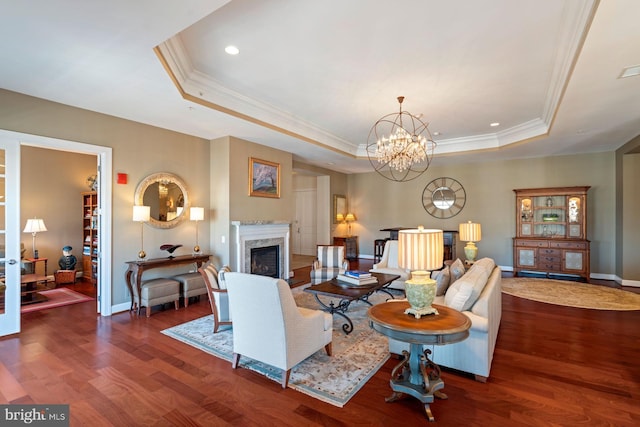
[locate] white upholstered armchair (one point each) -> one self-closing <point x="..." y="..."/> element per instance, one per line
<point x="389" y="265"/>
<point x="329" y="263"/>
<point x="217" y="293"/>
<point x="269" y="327"/>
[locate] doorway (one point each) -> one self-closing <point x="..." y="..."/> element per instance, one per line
<point x="102" y="161"/>
<point x="62" y="205"/>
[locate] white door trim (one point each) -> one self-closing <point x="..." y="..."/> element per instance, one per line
<point x="105" y="160"/>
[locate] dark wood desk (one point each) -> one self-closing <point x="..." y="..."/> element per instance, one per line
<point x="136" y="268"/>
<point x="416" y="375"/>
<point x="393" y="231"/>
<point x="449" y="240"/>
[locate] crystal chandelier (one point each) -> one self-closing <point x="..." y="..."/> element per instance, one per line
<point x="399" y="146"/>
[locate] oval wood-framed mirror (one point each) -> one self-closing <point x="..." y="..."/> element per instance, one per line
<point x="167" y="197"/>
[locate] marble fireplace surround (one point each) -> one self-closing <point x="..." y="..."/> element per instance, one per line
<point x="247" y="235"/>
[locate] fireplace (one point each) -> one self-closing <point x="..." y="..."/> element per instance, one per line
<point x="249" y="236"/>
<point x="265" y="261"/>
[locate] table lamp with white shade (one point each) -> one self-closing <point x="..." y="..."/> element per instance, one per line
<point x="196" y="214"/>
<point x="34" y="226"/>
<point x="420" y="250"/>
<point x="470" y="232"/>
<point x="141" y="214"/>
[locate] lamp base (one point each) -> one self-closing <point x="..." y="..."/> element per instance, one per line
<point x="471" y="251"/>
<point x="142" y="254"/>
<point x="196" y="250"/>
<point x="419" y="312"/>
<point x="420" y="291"/>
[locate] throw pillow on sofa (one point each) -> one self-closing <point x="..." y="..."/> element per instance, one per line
<point x="457" y="271"/>
<point x="442" y="278"/>
<point x="464" y="292"/>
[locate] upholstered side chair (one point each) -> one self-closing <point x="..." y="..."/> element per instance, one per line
<point x="217" y="293"/>
<point x="270" y="328"/>
<point x="329" y="263"/>
<point x="389" y="265"/>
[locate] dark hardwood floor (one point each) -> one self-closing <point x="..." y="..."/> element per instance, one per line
<point x="553" y="365"/>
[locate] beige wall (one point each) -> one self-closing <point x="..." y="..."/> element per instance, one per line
<point x="380" y="203"/>
<point x="138" y="150"/>
<point x="630" y="218"/>
<point x="216" y="174"/>
<point x="51" y="182"/>
<point x="230" y="189"/>
<point x="627" y="207"/>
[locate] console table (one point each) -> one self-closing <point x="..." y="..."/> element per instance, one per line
<point x="134" y="272"/>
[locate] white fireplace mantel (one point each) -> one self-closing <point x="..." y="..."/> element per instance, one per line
<point x="254" y="234"/>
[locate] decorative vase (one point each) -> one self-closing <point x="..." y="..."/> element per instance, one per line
<point x="420" y="291"/>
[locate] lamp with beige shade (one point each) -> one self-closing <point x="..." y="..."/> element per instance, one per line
<point x="420" y="250"/>
<point x="470" y="232"/>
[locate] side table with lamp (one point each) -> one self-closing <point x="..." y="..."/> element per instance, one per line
<point x="416" y="321"/>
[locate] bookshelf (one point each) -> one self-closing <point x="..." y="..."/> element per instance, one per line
<point x="90" y="236"/>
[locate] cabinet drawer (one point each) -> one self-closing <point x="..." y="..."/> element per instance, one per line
<point x="533" y="243"/>
<point x="549" y="266"/>
<point x="550" y="259"/>
<point x="550" y="252"/>
<point x="569" y="245"/>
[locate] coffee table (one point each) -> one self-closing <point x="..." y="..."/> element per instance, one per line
<point x="347" y="293"/>
<point x="416" y="375"/>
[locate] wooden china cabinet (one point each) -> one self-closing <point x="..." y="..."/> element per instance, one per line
<point x="551" y="231"/>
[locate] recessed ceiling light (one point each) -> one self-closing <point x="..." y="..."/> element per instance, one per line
<point x="631" y="71"/>
<point x="232" y="50"/>
<point x="494" y="124"/>
<point x="436" y="133"/>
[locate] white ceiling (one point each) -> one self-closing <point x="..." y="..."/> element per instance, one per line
<point x="312" y="77"/>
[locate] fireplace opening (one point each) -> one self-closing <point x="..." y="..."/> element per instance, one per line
<point x="265" y="261"/>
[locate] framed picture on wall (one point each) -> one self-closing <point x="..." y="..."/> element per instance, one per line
<point x="264" y="178"/>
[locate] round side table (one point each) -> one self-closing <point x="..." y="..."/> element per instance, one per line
<point x="416" y="375"/>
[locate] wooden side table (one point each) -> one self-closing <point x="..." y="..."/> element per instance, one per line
<point x="416" y="375"/>
<point x="35" y="261"/>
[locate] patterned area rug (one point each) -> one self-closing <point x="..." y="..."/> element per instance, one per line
<point x="56" y="298"/>
<point x="356" y="357"/>
<point x="571" y="294"/>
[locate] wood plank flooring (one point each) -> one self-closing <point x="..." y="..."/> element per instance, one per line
<point x="553" y="365"/>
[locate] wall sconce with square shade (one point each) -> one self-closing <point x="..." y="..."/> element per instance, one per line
<point x="34" y="226"/>
<point x="470" y="232"/>
<point x="420" y="250"/>
<point x="141" y="214"/>
<point x="196" y="214"/>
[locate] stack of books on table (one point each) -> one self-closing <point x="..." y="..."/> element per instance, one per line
<point x="357" y="277"/>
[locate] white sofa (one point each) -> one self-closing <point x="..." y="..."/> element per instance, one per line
<point x="475" y="354"/>
<point x="389" y="265"/>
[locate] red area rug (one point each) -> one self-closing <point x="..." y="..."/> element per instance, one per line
<point x="56" y="298"/>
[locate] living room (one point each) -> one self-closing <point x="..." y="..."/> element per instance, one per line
<point x="216" y="172"/>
